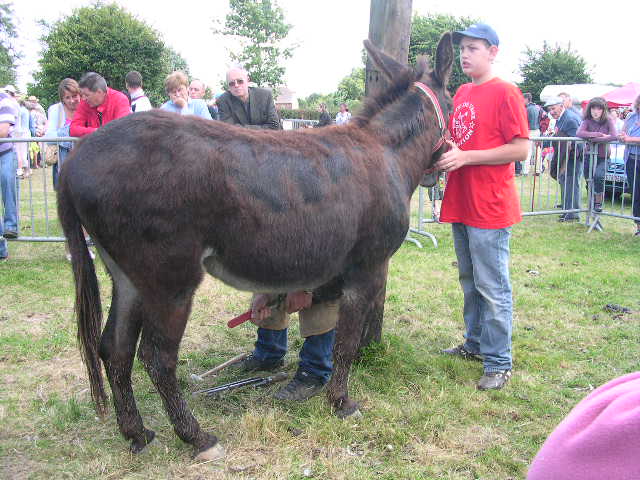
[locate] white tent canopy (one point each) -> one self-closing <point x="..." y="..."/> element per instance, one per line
<point x="579" y="92"/>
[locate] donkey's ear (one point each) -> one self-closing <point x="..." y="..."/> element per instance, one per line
<point x="384" y="62"/>
<point x="444" y="59"/>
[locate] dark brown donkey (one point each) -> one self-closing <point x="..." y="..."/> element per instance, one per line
<point x="168" y="197"/>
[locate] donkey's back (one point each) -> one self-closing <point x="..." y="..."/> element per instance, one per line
<point x="267" y="211"/>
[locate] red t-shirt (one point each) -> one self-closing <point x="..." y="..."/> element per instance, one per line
<point x="485" y="116"/>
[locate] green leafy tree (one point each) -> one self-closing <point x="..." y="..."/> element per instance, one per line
<point x="425" y="35"/>
<point x="260" y="27"/>
<point x="549" y="65"/>
<point x="8" y="55"/>
<point x="351" y="87"/>
<point x="110" y="41"/>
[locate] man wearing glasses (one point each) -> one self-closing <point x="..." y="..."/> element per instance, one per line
<point x="250" y="107"/>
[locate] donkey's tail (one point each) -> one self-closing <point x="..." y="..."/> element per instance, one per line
<point x="88" y="308"/>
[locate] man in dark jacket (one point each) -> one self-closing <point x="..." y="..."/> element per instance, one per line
<point x="247" y="106"/>
<point x="566" y="166"/>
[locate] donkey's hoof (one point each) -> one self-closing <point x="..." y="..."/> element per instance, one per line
<point x="349" y="408"/>
<point x="210" y="454"/>
<point x="138" y="444"/>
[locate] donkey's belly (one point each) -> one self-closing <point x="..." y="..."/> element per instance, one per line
<point x="216" y="268"/>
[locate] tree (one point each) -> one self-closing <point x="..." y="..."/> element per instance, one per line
<point x="351" y="87"/>
<point x="555" y="65"/>
<point x="425" y="35"/>
<point x="110" y="41"/>
<point x="8" y="56"/>
<point x="261" y="27"/>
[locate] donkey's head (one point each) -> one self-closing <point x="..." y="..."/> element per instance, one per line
<point x="436" y="79"/>
<point x="408" y="113"/>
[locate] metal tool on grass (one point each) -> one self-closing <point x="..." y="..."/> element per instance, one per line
<point x="255" y="381"/>
<point x="231" y="361"/>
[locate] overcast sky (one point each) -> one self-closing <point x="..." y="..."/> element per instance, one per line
<point x="330" y="33"/>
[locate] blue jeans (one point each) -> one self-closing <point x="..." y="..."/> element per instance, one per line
<point x="483" y="266"/>
<point x="316" y="355"/>
<point x="598" y="173"/>
<point x="8" y="184"/>
<point x="570" y="184"/>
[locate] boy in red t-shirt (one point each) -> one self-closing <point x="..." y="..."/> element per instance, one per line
<point x="490" y="130"/>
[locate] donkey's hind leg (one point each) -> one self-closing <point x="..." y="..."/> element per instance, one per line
<point x="117" y="350"/>
<point x="158" y="351"/>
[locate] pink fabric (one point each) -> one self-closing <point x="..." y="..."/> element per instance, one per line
<point x="599" y="439"/>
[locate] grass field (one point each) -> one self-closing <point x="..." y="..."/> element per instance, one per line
<point x="422" y="415"/>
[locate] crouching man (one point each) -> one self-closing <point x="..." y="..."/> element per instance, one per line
<point x="318" y="321"/>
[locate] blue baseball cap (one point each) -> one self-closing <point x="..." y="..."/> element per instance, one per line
<point x="478" y="30"/>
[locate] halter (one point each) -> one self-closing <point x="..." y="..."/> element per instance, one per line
<point x="444" y="131"/>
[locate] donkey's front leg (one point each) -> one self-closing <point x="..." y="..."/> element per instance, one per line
<point x="361" y="300"/>
<point x="348" y="333"/>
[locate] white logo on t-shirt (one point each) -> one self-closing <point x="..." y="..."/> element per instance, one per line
<point x="464" y="122"/>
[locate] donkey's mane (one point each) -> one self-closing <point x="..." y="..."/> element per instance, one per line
<point x="373" y="105"/>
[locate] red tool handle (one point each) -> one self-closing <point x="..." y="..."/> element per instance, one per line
<point x="234" y="322"/>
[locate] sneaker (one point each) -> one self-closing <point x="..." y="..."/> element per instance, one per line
<point x="10" y="234"/>
<point x="463" y="353"/>
<point x="302" y="387"/>
<point x="494" y="380"/>
<point x="252" y="364"/>
<point x="597" y="207"/>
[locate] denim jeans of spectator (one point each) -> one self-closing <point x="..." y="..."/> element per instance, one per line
<point x="9" y="186"/>
<point x="518" y="168"/>
<point x="483" y="267"/>
<point x="633" y="179"/>
<point x="316" y="355"/>
<point x="570" y="184"/>
<point x="597" y="172"/>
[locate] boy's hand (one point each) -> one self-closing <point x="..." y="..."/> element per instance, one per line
<point x="453" y="159"/>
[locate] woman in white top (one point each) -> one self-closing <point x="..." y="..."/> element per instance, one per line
<point x="59" y="118"/>
<point x="343" y="115"/>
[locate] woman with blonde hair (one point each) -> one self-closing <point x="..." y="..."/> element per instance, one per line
<point x="631" y="136"/>
<point x="59" y="117"/>
<point x="177" y="87"/>
<point x="597" y="127"/>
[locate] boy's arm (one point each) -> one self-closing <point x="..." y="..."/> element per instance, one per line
<point x="514" y="151"/>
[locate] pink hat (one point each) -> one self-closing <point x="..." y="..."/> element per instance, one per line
<point x="599" y="439"/>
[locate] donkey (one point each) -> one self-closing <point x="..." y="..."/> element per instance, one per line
<point x="166" y="198"/>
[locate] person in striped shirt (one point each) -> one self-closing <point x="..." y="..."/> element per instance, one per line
<point x="8" y="167"/>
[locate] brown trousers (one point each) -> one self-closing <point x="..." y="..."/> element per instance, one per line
<point x="315" y="320"/>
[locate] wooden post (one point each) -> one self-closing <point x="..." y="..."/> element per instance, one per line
<point x="389" y="30"/>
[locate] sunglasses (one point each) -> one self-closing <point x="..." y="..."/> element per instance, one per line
<point x="238" y="82"/>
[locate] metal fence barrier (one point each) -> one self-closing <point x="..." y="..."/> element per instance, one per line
<point x="557" y="179"/>
<point x="36" y="197"/>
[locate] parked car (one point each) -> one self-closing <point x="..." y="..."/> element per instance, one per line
<point x="615" y="178"/>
